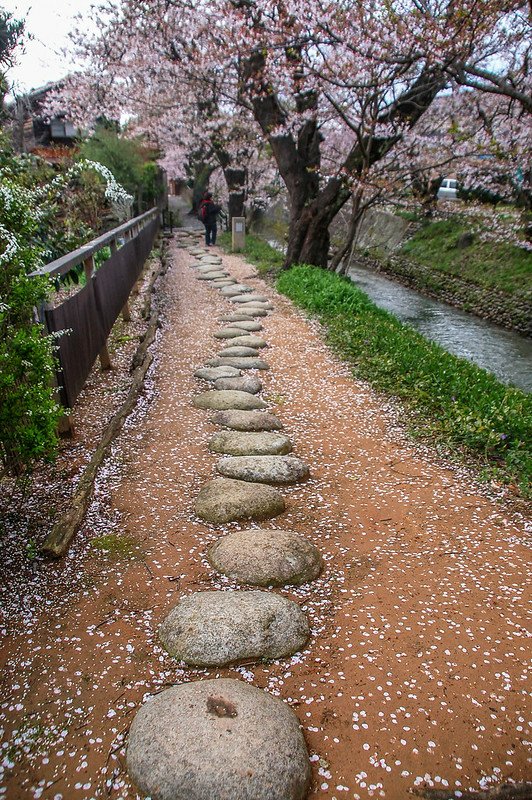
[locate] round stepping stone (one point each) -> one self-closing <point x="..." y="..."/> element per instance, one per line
<point x="227" y="399"/>
<point x="228" y="333"/>
<point x="213" y="373"/>
<point x="240" y="363"/>
<point x="247" y="421"/>
<point x="250" y="298"/>
<point x="266" y="557"/>
<point x="247" y="325"/>
<point x="236" y="318"/>
<point x="211" y="257"/>
<point x="220" y="283"/>
<point x="258" y="311"/>
<point x="236" y="443"/>
<point x="264" y="469"/>
<point x="252" y="311"/>
<point x="209" y="629"/>
<point x="232" y="291"/>
<point x="203" y="268"/>
<point x="224" y="500"/>
<point x="246" y="383"/>
<point x="218" y="739"/>
<point x="208" y="276"/>
<point x="238" y="351"/>
<point x="248" y="341"/>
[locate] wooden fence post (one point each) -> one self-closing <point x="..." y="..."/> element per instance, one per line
<point x="105" y="359"/>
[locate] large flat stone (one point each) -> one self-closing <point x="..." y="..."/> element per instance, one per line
<point x="258" y="309"/>
<point x="213" y="373"/>
<point x="247" y="340"/>
<point x="218" y="740"/>
<point x="228" y="333"/>
<point x="226" y="399"/>
<point x="224" y="500"/>
<point x="209" y="629"/>
<point x="250" y="298"/>
<point x="233" y="291"/>
<point x="236" y="443"/>
<point x="245" y="383"/>
<point x="247" y="325"/>
<point x="209" y="276"/>
<point x="264" y="469"/>
<point x="247" y="362"/>
<point x="219" y="283"/>
<point x="251" y="313"/>
<point x="266" y="557"/>
<point x="230" y="318"/>
<point x="247" y="421"/>
<point x="232" y="351"/>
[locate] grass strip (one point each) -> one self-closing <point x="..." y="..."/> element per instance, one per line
<point x="258" y="252"/>
<point x="493" y="265"/>
<point x="451" y="401"/>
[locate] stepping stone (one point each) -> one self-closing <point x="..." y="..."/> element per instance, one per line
<point x="213" y="373"/>
<point x="266" y="557"/>
<point x="247" y="362"/>
<point x="230" y="318"/>
<point x="235" y="443"/>
<point x="210" y="629"/>
<point x="203" y="270"/>
<point x="251" y="312"/>
<point x="247" y="421"/>
<point x="209" y="276"/>
<point x="218" y="738"/>
<point x="208" y="257"/>
<point x="227" y="399"/>
<point x="246" y="383"/>
<point x="232" y="291"/>
<point x="238" y="351"/>
<point x="220" y="283"/>
<point x="248" y="340"/>
<point x="258" y="311"/>
<point x="228" y="333"/>
<point x="247" y="325"/>
<point x="223" y="500"/>
<point x="264" y="469"/>
<point x="250" y="298"/>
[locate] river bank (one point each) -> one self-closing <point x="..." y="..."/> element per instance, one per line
<point x="508" y="311"/>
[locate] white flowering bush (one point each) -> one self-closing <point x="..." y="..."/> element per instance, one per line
<point x="39" y="220"/>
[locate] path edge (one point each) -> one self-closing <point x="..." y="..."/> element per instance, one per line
<point x="66" y="527"/>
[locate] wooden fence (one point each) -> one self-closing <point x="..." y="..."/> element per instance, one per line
<point x="84" y="320"/>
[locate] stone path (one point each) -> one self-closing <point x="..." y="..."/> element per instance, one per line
<point x="411" y="581"/>
<point x="209" y="629"/>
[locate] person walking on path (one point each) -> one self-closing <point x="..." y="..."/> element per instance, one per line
<point x="208" y="211"/>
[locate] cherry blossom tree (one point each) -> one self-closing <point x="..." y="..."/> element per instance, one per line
<point x="336" y="91"/>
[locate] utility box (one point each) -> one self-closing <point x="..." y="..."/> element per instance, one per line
<point x="239" y="234"/>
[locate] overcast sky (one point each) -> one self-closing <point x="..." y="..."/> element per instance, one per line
<point x="49" y="21"/>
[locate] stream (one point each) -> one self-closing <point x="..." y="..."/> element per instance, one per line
<point x="504" y="353"/>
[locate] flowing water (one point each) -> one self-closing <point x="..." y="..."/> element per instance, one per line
<point x="504" y="353"/>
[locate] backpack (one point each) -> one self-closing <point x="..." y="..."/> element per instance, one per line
<point x="202" y="213"/>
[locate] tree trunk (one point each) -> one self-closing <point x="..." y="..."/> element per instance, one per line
<point x="340" y="260"/>
<point x="235" y="177"/>
<point x="202" y="174"/>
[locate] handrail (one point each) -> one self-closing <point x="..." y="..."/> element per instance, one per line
<point x="64" y="264"/>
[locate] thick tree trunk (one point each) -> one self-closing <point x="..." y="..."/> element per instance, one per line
<point x="235" y="178"/>
<point x="202" y="174"/>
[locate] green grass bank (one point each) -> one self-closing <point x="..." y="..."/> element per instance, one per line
<point x="495" y="265"/>
<point x="450" y="401"/>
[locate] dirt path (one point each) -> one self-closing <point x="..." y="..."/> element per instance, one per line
<point x="415" y="675"/>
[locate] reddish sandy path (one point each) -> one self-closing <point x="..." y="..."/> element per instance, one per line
<point x="415" y="675"/>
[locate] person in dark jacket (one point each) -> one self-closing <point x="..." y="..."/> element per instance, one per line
<point x="208" y="213"/>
